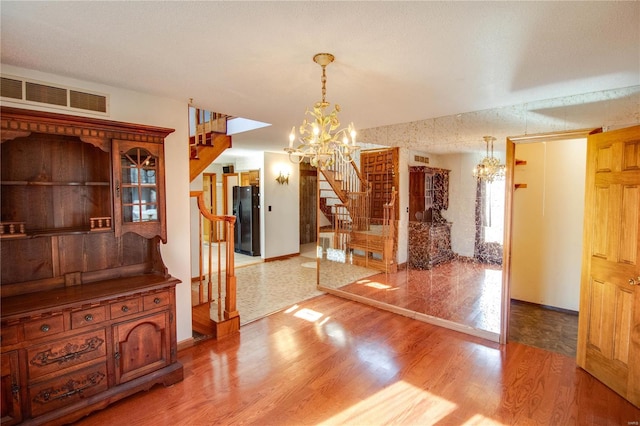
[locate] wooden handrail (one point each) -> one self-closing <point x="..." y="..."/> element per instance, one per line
<point x="230" y="308"/>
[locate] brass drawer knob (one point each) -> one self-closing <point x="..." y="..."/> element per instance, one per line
<point x="44" y="328"/>
<point x="88" y="317"/>
<point x="125" y="308"/>
<point x="156" y="300"/>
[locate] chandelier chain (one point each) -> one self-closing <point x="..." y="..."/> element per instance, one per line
<point x="323" y="79"/>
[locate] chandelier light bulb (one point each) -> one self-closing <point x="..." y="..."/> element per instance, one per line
<point x="320" y="137"/>
<point x="489" y="168"/>
<point x="292" y="136"/>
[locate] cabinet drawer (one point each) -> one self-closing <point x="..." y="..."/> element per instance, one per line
<point x="156" y="300"/>
<point x="8" y="335"/>
<point x="67" y="389"/>
<point x="65" y="353"/>
<point x="125" y="307"/>
<point x="43" y="327"/>
<point x="88" y="316"/>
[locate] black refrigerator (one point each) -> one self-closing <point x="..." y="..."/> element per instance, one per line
<point x="246" y="209"/>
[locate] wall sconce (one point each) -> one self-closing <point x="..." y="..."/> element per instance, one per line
<point x="282" y="179"/>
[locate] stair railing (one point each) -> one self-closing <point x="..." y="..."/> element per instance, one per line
<point x="224" y="278"/>
<point x="389" y="217"/>
<point x="353" y="190"/>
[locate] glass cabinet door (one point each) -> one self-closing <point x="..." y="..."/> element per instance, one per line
<point x="139" y="188"/>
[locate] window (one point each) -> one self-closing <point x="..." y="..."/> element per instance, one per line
<point x="493" y="218"/>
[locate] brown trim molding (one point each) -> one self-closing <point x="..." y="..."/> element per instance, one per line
<point x="568" y="134"/>
<point x="16" y="122"/>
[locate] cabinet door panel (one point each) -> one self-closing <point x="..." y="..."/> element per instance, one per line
<point x="139" y="204"/>
<point x="142" y="346"/>
<point x="10" y="389"/>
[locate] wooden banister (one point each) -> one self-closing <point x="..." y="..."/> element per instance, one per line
<point x="227" y="320"/>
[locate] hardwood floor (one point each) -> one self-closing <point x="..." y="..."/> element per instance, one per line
<point x="332" y="361"/>
<point x="463" y="292"/>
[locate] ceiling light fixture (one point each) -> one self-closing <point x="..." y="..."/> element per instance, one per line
<point x="320" y="139"/>
<point x="489" y="169"/>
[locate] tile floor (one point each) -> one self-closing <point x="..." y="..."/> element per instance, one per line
<point x="542" y="327"/>
<point x="267" y="287"/>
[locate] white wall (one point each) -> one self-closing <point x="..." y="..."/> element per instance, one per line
<point x="547" y="223"/>
<point x="462" y="201"/>
<point x="281" y="230"/>
<point x="135" y="107"/>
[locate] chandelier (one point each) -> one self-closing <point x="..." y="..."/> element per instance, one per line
<point x="489" y="169"/>
<point x="320" y="138"/>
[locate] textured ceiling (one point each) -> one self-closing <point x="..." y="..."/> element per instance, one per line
<point x="395" y="61"/>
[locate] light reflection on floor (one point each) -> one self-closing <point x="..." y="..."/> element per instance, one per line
<point x="387" y="405"/>
<point x="467" y="293"/>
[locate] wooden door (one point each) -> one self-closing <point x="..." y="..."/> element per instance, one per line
<point x="380" y="168"/>
<point x="308" y="203"/>
<point x="609" y="327"/>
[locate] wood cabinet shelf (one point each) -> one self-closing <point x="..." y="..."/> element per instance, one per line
<point x="38" y="183"/>
<point x="61" y="231"/>
<point x="88" y="311"/>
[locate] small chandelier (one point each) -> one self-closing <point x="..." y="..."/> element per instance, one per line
<point x="489" y="169"/>
<point x="320" y="138"/>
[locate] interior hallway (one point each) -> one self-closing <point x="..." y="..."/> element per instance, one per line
<point x="333" y="361"/>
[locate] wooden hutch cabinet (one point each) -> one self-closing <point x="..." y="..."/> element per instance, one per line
<point x="429" y="232"/>
<point x="88" y="306"/>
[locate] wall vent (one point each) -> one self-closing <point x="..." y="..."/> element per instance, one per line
<point x="10" y="88"/>
<point x="45" y="94"/>
<point x="32" y="92"/>
<point x="421" y="159"/>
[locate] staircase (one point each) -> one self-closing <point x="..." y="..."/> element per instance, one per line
<point x="213" y="311"/>
<point x="208" y="143"/>
<point x="345" y="201"/>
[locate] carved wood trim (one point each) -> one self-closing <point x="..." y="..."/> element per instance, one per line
<point x="16" y="122"/>
<point x="70" y="352"/>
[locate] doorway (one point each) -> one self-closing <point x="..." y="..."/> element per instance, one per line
<point x="543" y="239"/>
